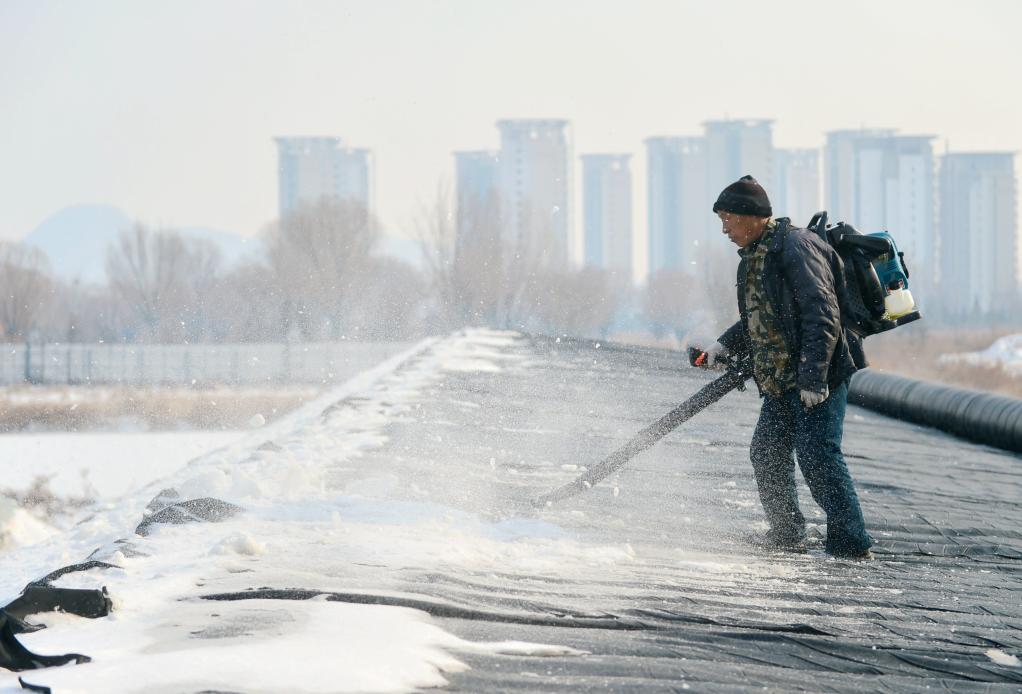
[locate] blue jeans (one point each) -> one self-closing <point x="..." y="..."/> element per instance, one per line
<point x="785" y="427"/>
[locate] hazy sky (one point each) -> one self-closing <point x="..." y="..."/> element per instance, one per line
<point x="167" y="109"/>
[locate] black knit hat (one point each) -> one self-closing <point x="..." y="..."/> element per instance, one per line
<point x="744" y="196"/>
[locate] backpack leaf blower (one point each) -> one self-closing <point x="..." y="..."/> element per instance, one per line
<point x="876" y="277"/>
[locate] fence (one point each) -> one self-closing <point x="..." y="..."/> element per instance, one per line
<point x="189" y="364"/>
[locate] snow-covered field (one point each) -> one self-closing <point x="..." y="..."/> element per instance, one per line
<point x="101" y="466"/>
<point x="1006" y="352"/>
<point x="299" y="528"/>
<point x="77" y="469"/>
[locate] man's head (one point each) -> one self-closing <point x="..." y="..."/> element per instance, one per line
<point x="744" y="210"/>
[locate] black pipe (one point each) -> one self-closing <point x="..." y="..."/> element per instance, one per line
<point x="995" y="420"/>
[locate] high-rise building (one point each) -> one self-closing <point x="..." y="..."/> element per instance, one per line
<point x="477" y="176"/>
<point x="841" y="176"/>
<point x="678" y="202"/>
<point x="535" y="185"/>
<point x="979" y="236"/>
<point x="878" y="180"/>
<point x="311" y="168"/>
<point x="796" y="184"/>
<point x="607" y="213"/>
<point x="735" y="148"/>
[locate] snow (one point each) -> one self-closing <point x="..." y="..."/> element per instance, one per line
<point x="1005" y="352"/>
<point x="102" y="466"/>
<point x="271" y="646"/>
<point x="313" y="646"/>
<point x="97" y="467"/>
<point x="1002" y="658"/>
<point x="240" y="543"/>
<point x="19" y="528"/>
<point x="302" y="527"/>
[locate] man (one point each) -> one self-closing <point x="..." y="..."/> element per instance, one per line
<point x="790" y="290"/>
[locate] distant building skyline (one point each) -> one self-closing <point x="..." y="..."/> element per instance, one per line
<point x="678" y="215"/>
<point x="841" y="172"/>
<point x="735" y="148"/>
<point x="536" y="184"/>
<point x="311" y="168"/>
<point x="876" y="179"/>
<point x="607" y="213"/>
<point x="684" y="176"/>
<point x="979" y="244"/>
<point x="477" y="193"/>
<point x="796" y="184"/>
<point x="880" y="180"/>
<point x="181" y="133"/>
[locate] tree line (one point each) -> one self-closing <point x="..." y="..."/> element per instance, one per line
<point x="320" y="277"/>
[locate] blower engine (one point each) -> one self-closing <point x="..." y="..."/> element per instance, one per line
<point x="876" y="276"/>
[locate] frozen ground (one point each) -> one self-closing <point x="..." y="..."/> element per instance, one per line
<point x="387" y="544"/>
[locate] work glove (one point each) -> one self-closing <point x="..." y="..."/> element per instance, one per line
<point x="811" y="399"/>
<point x="714" y="352"/>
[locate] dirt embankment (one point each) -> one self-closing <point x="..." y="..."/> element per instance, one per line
<point x="83" y="408"/>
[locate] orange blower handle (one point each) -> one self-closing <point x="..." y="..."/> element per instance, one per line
<point x="697" y="357"/>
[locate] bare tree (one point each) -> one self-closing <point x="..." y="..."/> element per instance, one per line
<point x="201" y="279"/>
<point x="318" y="255"/>
<point x="162" y="277"/>
<point x="580" y="303"/>
<point x="480" y="273"/>
<point x="437" y="228"/>
<point x="464" y="260"/>
<point x="530" y="258"/>
<point x="671" y="303"/>
<point x="25" y="289"/>
<point x="246" y="305"/>
<point x="82" y="312"/>
<point x="390" y="307"/>
<point x="697" y="305"/>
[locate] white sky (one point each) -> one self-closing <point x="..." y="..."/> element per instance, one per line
<point x="167" y="109"/>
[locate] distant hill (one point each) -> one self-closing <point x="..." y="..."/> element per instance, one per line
<point x="76" y="240"/>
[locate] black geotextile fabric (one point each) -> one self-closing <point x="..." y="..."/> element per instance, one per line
<point x="701" y="608"/>
<point x="203" y="510"/>
<point x="938" y="609"/>
<point x="40" y="596"/>
<point x="84" y="602"/>
<point x="14" y="656"/>
<point x="28" y="686"/>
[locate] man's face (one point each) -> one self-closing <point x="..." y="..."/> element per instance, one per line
<point x="742" y="229"/>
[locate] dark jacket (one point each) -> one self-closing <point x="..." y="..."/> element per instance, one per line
<point x="804" y="282"/>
